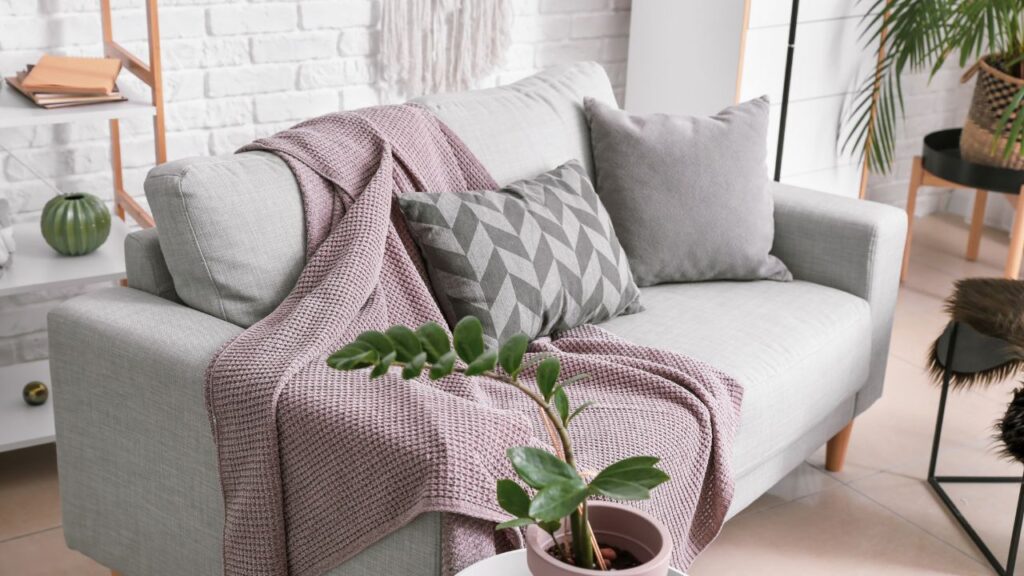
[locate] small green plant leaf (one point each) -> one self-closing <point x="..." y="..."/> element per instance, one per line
<point x="550" y="527"/>
<point x="353" y="357"/>
<point x="469" y="338"/>
<point x="579" y="410"/>
<point x="619" y="489"/>
<point x="573" y="379"/>
<point x="510" y="356"/>
<point x="562" y="404"/>
<point x="378" y="341"/>
<point x="558" y="500"/>
<point x="630" y="464"/>
<point x="415" y="366"/>
<point x="383" y="365"/>
<point x="434" y="340"/>
<point x="513" y="499"/>
<point x="483" y="363"/>
<point x="514" y="523"/>
<point x="407" y="345"/>
<point x="443" y="366"/>
<point x="539" y="468"/>
<point x="629" y="476"/>
<point x="547" y="376"/>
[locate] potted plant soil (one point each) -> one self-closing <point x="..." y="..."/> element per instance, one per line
<point x="920" y="36"/>
<point x="566" y="532"/>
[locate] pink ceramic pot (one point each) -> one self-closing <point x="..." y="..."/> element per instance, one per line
<point x="614" y="525"/>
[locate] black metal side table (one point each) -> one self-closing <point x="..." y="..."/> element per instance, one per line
<point x="941" y="165"/>
<point x="963" y="351"/>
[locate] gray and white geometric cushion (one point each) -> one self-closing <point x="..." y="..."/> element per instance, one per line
<point x="538" y="256"/>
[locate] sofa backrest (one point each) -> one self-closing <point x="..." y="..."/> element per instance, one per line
<point x="231" y="229"/>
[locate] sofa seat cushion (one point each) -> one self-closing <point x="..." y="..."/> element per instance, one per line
<point x="799" y="349"/>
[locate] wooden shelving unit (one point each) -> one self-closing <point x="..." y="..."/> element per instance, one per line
<point x="36" y="267"/>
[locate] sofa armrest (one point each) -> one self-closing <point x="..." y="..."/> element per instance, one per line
<point x="138" y="468"/>
<point x="851" y="245"/>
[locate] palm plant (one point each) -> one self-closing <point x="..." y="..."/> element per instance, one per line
<point x="919" y="36"/>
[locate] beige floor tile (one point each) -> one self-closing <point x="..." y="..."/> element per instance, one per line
<point x="44" y="554"/>
<point x="802" y="482"/>
<point x="29" y="495"/>
<point x="836" y="532"/>
<point x="989" y="508"/>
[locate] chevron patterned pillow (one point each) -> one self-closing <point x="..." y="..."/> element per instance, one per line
<point x="538" y="256"/>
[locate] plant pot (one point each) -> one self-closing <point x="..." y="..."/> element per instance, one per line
<point x="994" y="91"/>
<point x="75" y="224"/>
<point x="614" y="525"/>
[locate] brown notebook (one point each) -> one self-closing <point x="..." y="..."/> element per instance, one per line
<point x="73" y="75"/>
<point x="54" y="100"/>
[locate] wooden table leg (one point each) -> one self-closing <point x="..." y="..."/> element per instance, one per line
<point x="977" y="224"/>
<point x="1013" y="259"/>
<point x="916" y="177"/>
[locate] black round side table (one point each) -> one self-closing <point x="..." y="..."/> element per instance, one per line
<point x="941" y="165"/>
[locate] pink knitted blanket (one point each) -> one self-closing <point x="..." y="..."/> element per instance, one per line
<point x="316" y="464"/>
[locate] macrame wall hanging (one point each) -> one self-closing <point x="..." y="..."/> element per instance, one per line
<point x="431" y="46"/>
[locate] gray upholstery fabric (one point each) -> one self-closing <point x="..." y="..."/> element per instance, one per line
<point x="798" y="349"/>
<point x="522" y="129"/>
<point x="146" y="268"/>
<point x="139" y="487"/>
<point x="688" y="195"/>
<point x="852" y="245"/>
<point x="231" y="232"/>
<point x="536" y="257"/>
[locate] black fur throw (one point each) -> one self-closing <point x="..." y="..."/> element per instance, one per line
<point x="1011" y="427"/>
<point x="994" y="307"/>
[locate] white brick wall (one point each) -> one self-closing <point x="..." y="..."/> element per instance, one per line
<point x="235" y="71"/>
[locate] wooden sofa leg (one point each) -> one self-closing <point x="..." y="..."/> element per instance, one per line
<point x="835" y="450"/>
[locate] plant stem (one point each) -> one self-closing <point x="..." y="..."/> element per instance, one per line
<point x="583" y="552"/>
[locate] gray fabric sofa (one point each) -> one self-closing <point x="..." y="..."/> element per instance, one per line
<point x="138" y="471"/>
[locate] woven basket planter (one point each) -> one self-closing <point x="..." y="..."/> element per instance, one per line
<point x="993" y="93"/>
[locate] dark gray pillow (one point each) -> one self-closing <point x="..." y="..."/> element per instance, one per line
<point x="688" y="195"/>
<point x="538" y="256"/>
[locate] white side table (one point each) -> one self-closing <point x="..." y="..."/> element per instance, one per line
<point x="511" y="564"/>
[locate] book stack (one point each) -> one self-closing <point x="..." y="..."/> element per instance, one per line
<point x="61" y="81"/>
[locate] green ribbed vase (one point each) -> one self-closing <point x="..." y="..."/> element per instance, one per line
<point x="75" y="224"/>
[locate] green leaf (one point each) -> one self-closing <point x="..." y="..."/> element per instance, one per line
<point x="383" y="365"/>
<point x="469" y="338"/>
<point x="573" y="379"/>
<point x="407" y="345"/>
<point x="515" y="523"/>
<point x="550" y="527"/>
<point x="619" y="489"/>
<point x="510" y="356"/>
<point x="483" y="363"/>
<point x="415" y="366"/>
<point x="579" y="410"/>
<point x="353" y="357"/>
<point x="547" y="375"/>
<point x="443" y="366"/>
<point x="378" y="341"/>
<point x="558" y="500"/>
<point x="513" y="499"/>
<point x="631" y="463"/>
<point x="434" y="339"/>
<point x="562" y="404"/>
<point x="539" y="468"/>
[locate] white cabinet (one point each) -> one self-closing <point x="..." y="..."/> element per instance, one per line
<point x="697" y="57"/>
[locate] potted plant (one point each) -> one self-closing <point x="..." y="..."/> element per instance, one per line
<point x="566" y="532"/>
<point x="920" y="35"/>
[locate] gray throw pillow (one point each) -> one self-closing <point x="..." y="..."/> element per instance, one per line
<point x="688" y="195"/>
<point x="538" y="256"/>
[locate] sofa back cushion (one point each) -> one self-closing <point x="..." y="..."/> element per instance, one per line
<point x="231" y="227"/>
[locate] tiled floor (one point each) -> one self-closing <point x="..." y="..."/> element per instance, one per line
<point x="876" y="517"/>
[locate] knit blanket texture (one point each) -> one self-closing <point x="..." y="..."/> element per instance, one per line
<point x="316" y="465"/>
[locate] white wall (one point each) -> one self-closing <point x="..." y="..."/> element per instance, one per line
<point x="235" y="71"/>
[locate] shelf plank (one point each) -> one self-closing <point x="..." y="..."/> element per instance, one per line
<point x="36" y="266"/>
<point x="16" y="110"/>
<point x="22" y="425"/>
